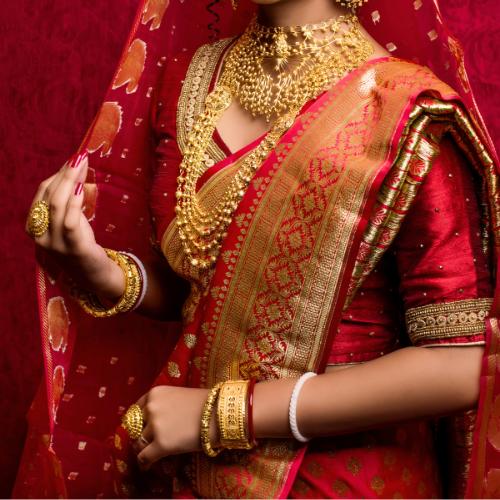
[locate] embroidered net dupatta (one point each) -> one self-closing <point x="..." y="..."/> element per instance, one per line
<point x="121" y="158"/>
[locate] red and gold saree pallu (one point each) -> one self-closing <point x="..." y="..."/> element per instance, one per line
<point x="317" y="217"/>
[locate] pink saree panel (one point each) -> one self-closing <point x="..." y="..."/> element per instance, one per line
<point x="328" y="203"/>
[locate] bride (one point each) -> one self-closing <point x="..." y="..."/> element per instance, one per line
<point x="323" y="220"/>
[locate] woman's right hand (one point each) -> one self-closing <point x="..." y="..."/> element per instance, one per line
<point x="70" y="239"/>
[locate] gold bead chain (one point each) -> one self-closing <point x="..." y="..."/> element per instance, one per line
<point x="319" y="63"/>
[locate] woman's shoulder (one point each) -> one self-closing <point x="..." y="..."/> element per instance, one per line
<point x="397" y="74"/>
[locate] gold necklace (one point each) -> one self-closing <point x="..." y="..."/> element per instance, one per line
<point x="202" y="232"/>
<point x="269" y="66"/>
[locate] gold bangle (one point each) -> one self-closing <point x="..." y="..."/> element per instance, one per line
<point x="206" y="417"/>
<point x="232" y="415"/>
<point x="133" y="287"/>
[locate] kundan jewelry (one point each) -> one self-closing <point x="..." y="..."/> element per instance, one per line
<point x="257" y="74"/>
<point x="39" y="219"/>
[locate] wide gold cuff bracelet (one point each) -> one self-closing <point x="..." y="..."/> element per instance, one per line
<point x="233" y="415"/>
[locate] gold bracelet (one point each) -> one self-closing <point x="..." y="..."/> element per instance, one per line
<point x="206" y="417"/>
<point x="133" y="287"/>
<point x="233" y="415"/>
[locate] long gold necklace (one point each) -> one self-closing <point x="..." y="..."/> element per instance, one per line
<point x="201" y="232"/>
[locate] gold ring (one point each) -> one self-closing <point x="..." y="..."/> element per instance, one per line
<point x="38" y="219"/>
<point x="133" y="421"/>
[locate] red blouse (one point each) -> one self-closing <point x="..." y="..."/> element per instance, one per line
<point x="436" y="258"/>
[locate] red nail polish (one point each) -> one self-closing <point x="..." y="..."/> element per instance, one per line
<point x="79" y="188"/>
<point x="76" y="160"/>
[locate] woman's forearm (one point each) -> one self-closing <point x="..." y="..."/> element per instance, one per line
<point x="406" y="384"/>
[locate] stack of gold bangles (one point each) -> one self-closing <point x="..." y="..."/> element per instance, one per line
<point x="234" y="400"/>
<point x="132" y="296"/>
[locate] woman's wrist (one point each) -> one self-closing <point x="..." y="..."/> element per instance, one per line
<point x="270" y="408"/>
<point x="103" y="276"/>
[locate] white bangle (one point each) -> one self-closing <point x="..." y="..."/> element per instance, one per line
<point x="292" y="412"/>
<point x="144" y="277"/>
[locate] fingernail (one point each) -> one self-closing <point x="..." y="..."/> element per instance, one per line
<point x="77" y="159"/>
<point x="79" y="188"/>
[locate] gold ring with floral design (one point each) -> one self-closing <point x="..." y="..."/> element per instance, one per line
<point x="39" y="219"/>
<point x="133" y="421"/>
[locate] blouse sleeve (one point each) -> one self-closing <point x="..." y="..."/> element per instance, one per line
<point x="445" y="278"/>
<point x="167" y="154"/>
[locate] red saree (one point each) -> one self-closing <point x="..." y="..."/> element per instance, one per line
<point x="328" y="202"/>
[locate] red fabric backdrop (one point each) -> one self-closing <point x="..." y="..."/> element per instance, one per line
<point x="57" y="57"/>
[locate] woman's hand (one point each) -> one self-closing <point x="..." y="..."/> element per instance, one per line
<point x="70" y="239"/>
<point x="172" y="416"/>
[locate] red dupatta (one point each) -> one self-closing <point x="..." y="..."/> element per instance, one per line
<point x="117" y="200"/>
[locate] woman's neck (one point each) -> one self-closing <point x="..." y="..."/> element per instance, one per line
<point x="298" y="12"/>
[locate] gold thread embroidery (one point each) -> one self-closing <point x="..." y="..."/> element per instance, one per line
<point x="195" y="90"/>
<point x="450" y="319"/>
<point x="416" y="153"/>
<point x="225" y="320"/>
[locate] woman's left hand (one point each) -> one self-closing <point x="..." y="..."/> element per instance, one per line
<point x="172" y="417"/>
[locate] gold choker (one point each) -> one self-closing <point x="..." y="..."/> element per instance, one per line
<point x="272" y="70"/>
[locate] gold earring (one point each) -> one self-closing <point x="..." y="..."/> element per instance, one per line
<point x="234" y="4"/>
<point x="352" y="4"/>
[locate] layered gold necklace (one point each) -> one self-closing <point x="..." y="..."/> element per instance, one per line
<point x="272" y="72"/>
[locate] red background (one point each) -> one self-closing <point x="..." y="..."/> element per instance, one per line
<point x="57" y="57"/>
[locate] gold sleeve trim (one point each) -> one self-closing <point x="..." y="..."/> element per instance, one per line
<point x="194" y="92"/>
<point x="451" y="319"/>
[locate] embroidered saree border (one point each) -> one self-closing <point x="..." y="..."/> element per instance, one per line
<point x="417" y="152"/>
<point x="450" y="319"/>
<point x="194" y="91"/>
<point x="277" y="290"/>
<point x="281" y="284"/>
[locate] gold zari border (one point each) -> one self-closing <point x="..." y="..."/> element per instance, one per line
<point x="419" y="146"/>
<point x="271" y="315"/>
<point x="194" y="92"/>
<point x="450" y="319"/>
